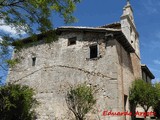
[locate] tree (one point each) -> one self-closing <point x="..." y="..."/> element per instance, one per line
<point x="80" y="100"/>
<point x="142" y="93"/>
<point x="16" y="102"/>
<point x="31" y="17"/>
<point x="156" y="107"/>
<point x="24" y="14"/>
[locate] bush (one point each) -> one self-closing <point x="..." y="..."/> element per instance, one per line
<point x="16" y="102"/>
<point x="156" y="107"/>
<point x="80" y="100"/>
<point x="142" y="93"/>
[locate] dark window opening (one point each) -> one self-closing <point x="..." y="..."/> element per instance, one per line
<point x="33" y="61"/>
<point x="72" y="41"/>
<point x="131" y="30"/>
<point x="93" y="51"/>
<point x="125" y="101"/>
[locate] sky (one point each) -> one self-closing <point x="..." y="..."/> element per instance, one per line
<point x="100" y="12"/>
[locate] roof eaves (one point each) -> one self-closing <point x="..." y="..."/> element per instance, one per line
<point x="121" y="38"/>
<point x="146" y="69"/>
<point x="112" y="25"/>
<point x="65" y="28"/>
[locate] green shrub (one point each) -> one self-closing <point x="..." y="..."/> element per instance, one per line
<point x="16" y="102"/>
<point x="80" y="100"/>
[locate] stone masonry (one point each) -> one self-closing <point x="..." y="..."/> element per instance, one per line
<point x="59" y="65"/>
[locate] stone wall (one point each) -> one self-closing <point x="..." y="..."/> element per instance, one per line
<point x="125" y="77"/>
<point x="59" y="66"/>
<point x="129" y="68"/>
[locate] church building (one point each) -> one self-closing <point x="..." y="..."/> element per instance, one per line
<point x="106" y="57"/>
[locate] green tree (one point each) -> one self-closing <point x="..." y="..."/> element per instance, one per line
<point x="31" y="17"/>
<point x="23" y="14"/>
<point x="80" y="100"/>
<point x="156" y="107"/>
<point x="142" y="93"/>
<point x="16" y="102"/>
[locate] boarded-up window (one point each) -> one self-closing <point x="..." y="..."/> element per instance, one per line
<point x="93" y="51"/>
<point x="72" y="41"/>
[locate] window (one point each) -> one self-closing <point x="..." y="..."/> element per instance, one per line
<point x="72" y="41"/>
<point x="131" y="30"/>
<point x="93" y="51"/>
<point x="125" y="101"/>
<point x="33" y="61"/>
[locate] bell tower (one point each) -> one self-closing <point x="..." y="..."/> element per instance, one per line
<point x="128" y="27"/>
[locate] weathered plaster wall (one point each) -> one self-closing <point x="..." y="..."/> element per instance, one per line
<point x="58" y="66"/>
<point x="136" y="64"/>
<point x="129" y="68"/>
<point x="125" y="77"/>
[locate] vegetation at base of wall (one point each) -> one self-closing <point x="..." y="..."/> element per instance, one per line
<point x="156" y="107"/>
<point x="80" y="100"/>
<point x="17" y="102"/>
<point x="143" y="94"/>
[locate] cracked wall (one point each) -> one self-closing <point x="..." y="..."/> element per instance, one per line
<point x="59" y="66"/>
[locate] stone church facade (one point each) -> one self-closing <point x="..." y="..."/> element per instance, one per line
<point x="106" y="57"/>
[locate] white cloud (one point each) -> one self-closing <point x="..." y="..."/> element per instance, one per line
<point x="9" y="29"/>
<point x="157" y="62"/>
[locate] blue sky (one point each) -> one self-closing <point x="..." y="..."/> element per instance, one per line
<point x="147" y="19"/>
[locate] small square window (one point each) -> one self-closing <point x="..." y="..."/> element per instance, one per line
<point x="93" y="51"/>
<point x="33" y="61"/>
<point x="72" y="41"/>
